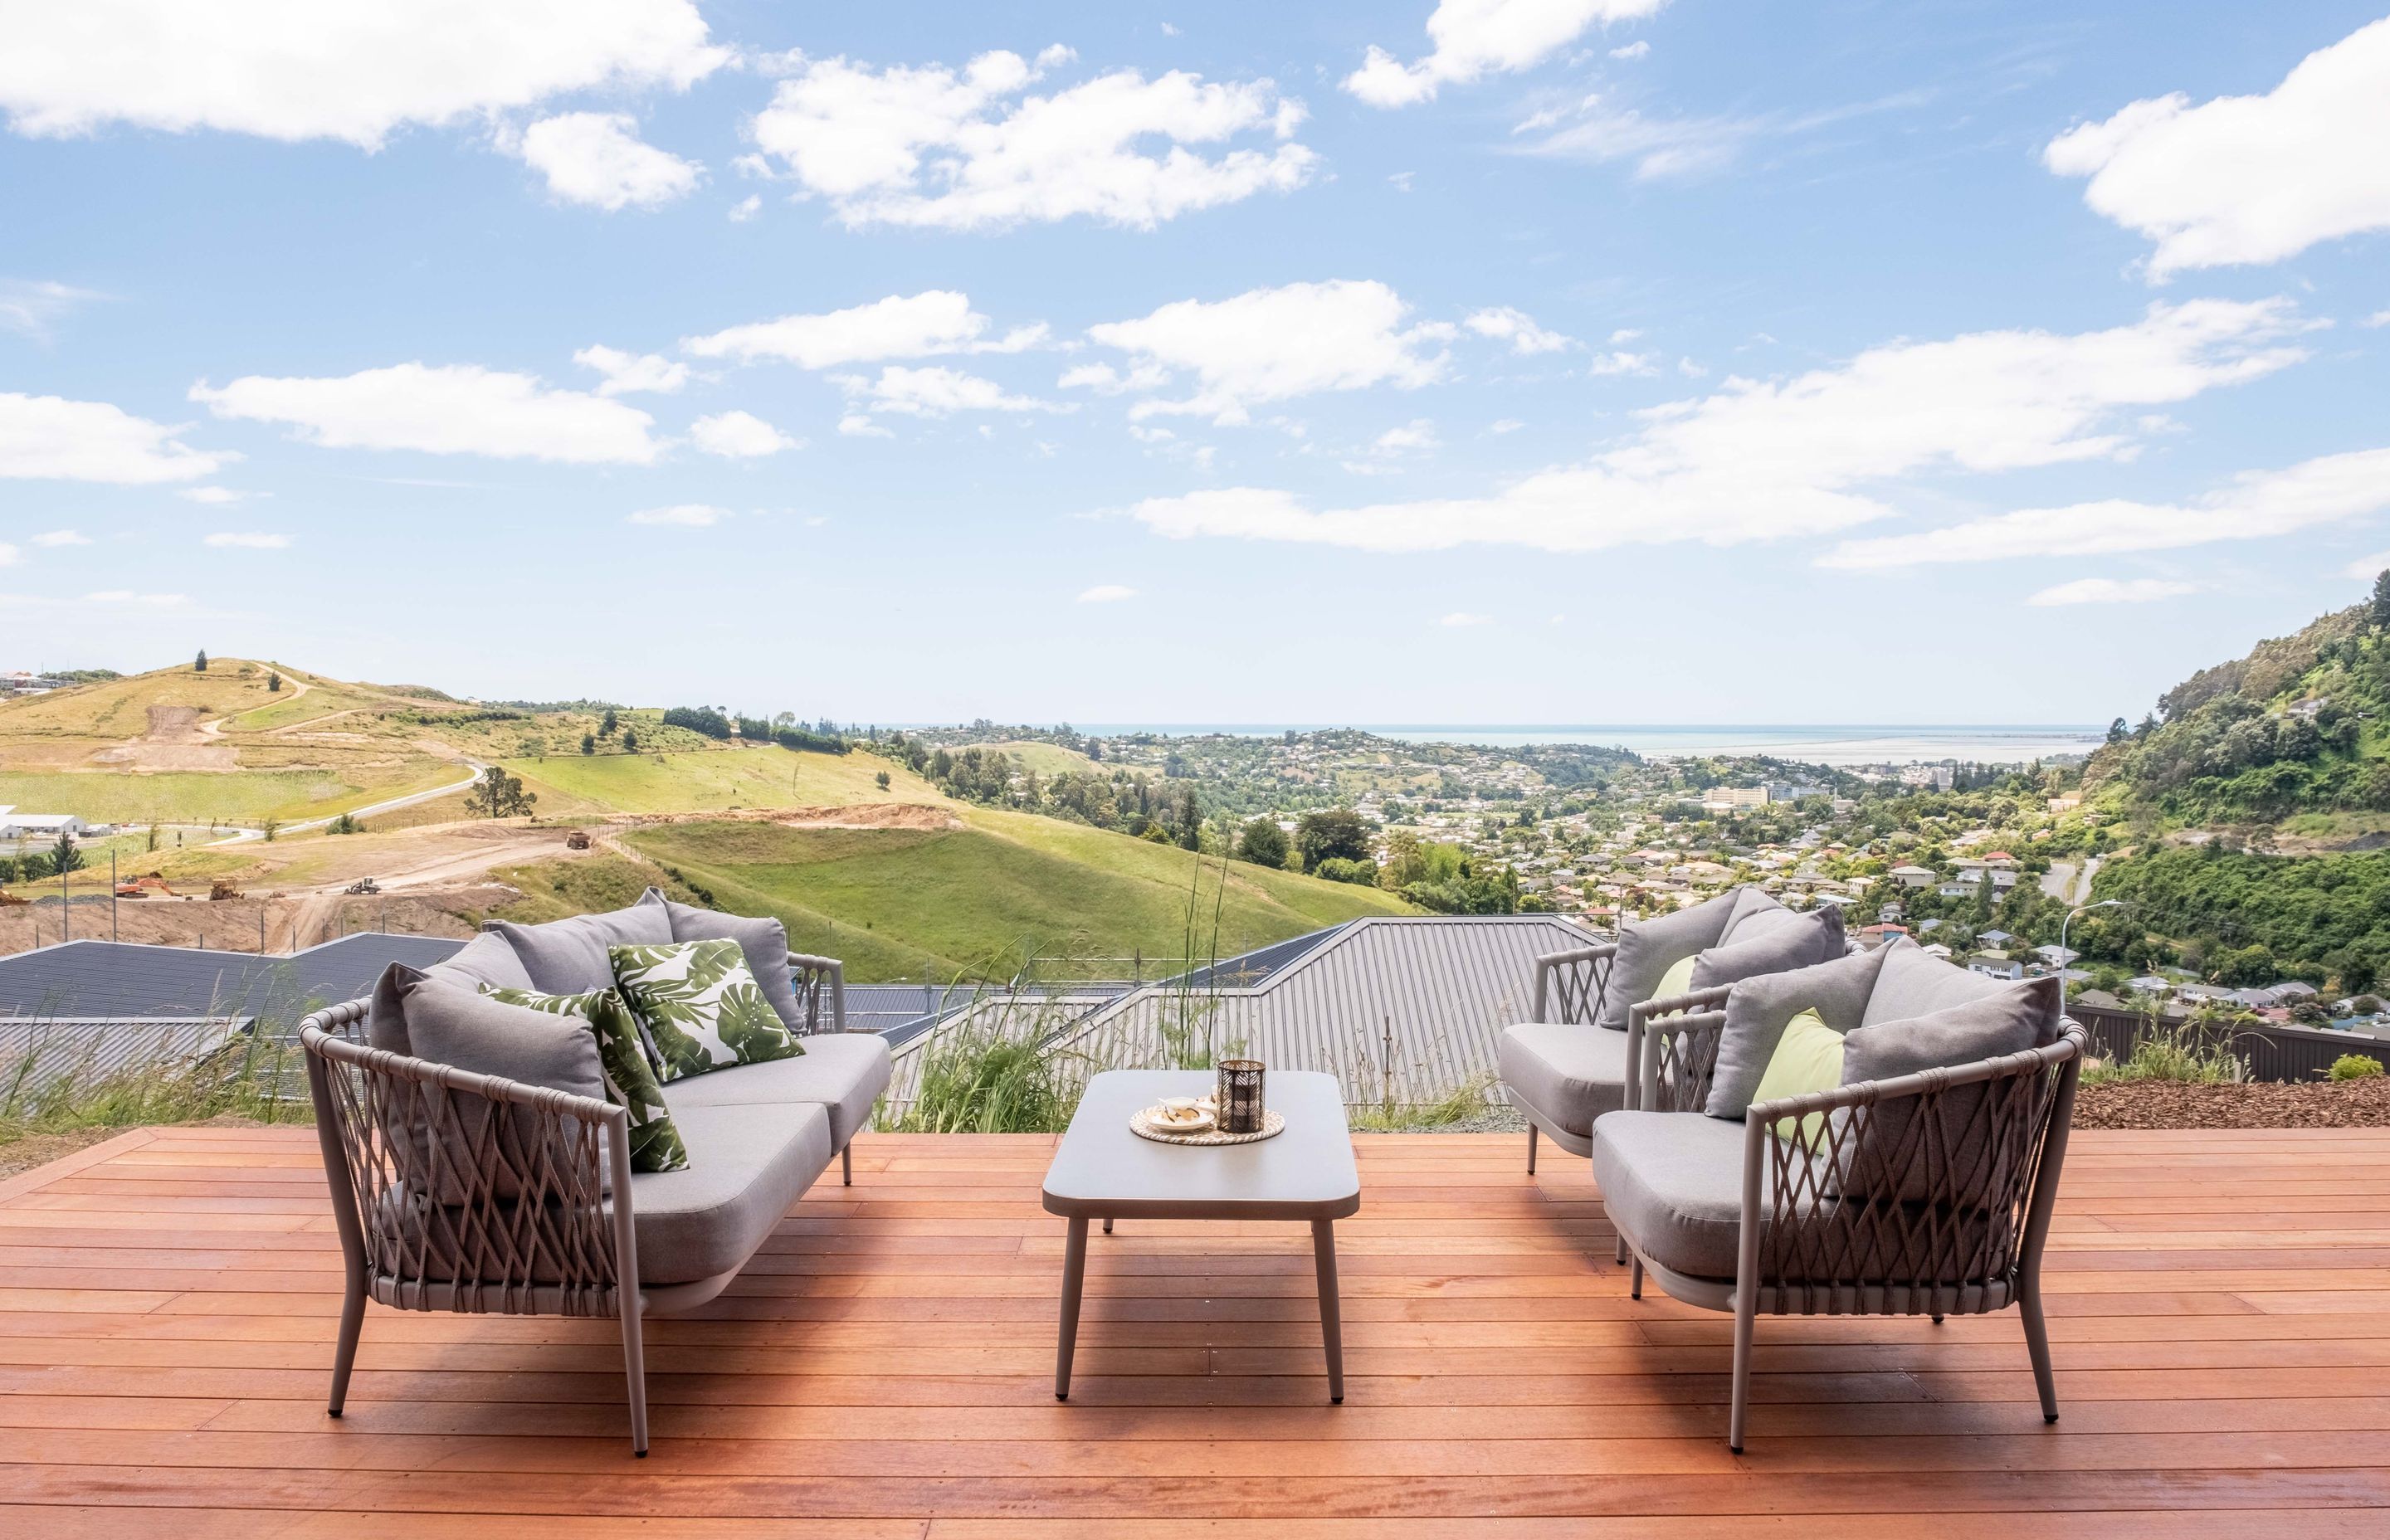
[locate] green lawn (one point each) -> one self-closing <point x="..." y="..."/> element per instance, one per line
<point x="196" y="797"/>
<point x="717" y="780"/>
<point x="974" y="901"/>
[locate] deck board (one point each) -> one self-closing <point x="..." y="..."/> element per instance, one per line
<point x="2217" y="1310"/>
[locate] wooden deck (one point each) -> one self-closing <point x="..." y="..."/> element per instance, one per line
<point x="2220" y="1305"/>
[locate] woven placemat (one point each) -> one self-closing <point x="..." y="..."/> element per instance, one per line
<point x="1273" y="1124"/>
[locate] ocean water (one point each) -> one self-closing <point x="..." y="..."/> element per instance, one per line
<point x="1811" y="743"/>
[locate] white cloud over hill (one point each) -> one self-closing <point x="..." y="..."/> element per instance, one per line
<point x="967" y="151"/>
<point x="2247" y="179"/>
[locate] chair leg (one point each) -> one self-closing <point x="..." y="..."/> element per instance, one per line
<point x="846" y="1164"/>
<point x="1635" y="1288"/>
<point x="1108" y="1226"/>
<point x="634" y="1371"/>
<point x="2036" y="1342"/>
<point x="1622" y="1251"/>
<point x="1744" y="1317"/>
<point x="1531" y="1149"/>
<point x="344" y="1357"/>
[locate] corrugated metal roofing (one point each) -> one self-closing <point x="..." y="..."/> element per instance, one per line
<point x="1410" y="1007"/>
<point x="120" y="979"/>
<point x="37" y="1053"/>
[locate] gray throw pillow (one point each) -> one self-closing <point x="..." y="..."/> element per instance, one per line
<point x="1758" y="1009"/>
<point x="1772" y="943"/>
<point x="764" y="941"/>
<point x="486" y="960"/>
<point x="568" y="957"/>
<point x="1648" y="949"/>
<point x="1750" y="903"/>
<point x="1963" y="1159"/>
<point x="456" y="1024"/>
<point x="1916" y="984"/>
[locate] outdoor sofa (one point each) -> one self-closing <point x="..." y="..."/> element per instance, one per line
<point x="1922" y="1184"/>
<point x="1567" y="1064"/>
<point x="468" y="1188"/>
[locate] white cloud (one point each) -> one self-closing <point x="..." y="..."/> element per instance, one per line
<point x="855" y="425"/>
<point x="51" y="438"/>
<point x="1401" y="181"/>
<point x="33" y="308"/>
<point x="687" y="516"/>
<point x="1619" y="360"/>
<point x="1637" y="49"/>
<point x="1459" y="618"/>
<point x="2365" y="569"/>
<point x="1273" y="344"/>
<point x="353" y="70"/>
<point x="627" y="372"/>
<point x="1771" y="460"/>
<point x="599" y="159"/>
<point x="2247" y="179"/>
<point x="51" y="540"/>
<point x="1593" y="130"/>
<point x="1505" y="424"/>
<point x="2112" y="591"/>
<point x="443" y="409"/>
<point x="1417" y="434"/>
<point x="956" y="151"/>
<point x="231" y="540"/>
<point x="213" y="497"/>
<point x="1475" y="38"/>
<point x="1106" y="593"/>
<point x="127" y="598"/>
<point x="746" y="207"/>
<point x="739" y="435"/>
<point x="8" y="555"/>
<point x="938" y="391"/>
<point x="914" y="325"/>
<point x="2254" y="507"/>
<point x="1518" y="328"/>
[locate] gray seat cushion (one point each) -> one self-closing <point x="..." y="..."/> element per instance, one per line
<point x="568" y="957"/>
<point x="486" y="960"/>
<point x="842" y="1072"/>
<point x="765" y="943"/>
<point x="1648" y="949"/>
<point x="1570" y="1074"/>
<point x="1672" y="1181"/>
<point x="1759" y="1008"/>
<point x="748" y="1165"/>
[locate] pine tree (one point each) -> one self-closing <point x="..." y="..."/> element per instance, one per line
<point x="201" y="666"/>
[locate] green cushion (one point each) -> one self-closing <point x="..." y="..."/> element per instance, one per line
<point x="630" y="1080"/>
<point x="1808" y="1059"/>
<point x="1676" y="980"/>
<point x="701" y="1006"/>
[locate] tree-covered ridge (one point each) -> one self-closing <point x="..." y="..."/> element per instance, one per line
<point x="2255" y="918"/>
<point x="2289" y="728"/>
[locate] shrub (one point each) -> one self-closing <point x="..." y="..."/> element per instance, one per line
<point x="345" y="824"/>
<point x="699" y="719"/>
<point x="2190" y="1052"/>
<point x="1262" y="842"/>
<point x="2355" y="1066"/>
<point x="1337" y="868"/>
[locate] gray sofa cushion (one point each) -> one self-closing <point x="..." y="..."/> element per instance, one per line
<point x="1750" y="903"/>
<point x="1915" y="982"/>
<point x="1570" y="1074"/>
<point x="485" y="959"/>
<point x="1672" y="1181"/>
<point x="1969" y="1161"/>
<point x="1758" y="1008"/>
<point x="1772" y="941"/>
<point x="1647" y="948"/>
<point x="455" y="1025"/>
<point x="748" y="1165"/>
<point x="842" y="1072"/>
<point x="764" y="943"/>
<point x="568" y="957"/>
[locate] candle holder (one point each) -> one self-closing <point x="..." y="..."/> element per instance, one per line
<point x="1238" y="1095"/>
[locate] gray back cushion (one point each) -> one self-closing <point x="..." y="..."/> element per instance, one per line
<point x="486" y="960"/>
<point x="1915" y="982"/>
<point x="568" y="957"/>
<point x="764" y="943"/>
<point x="1750" y="903"/>
<point x="453" y="1023"/>
<point x="1772" y="941"/>
<point x="1759" y="1008"/>
<point x="1966" y="1160"/>
<point x="1648" y="949"/>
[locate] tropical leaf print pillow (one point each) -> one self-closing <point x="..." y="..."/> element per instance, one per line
<point x="630" y="1079"/>
<point x="699" y="1007"/>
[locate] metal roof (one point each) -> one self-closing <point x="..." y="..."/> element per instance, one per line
<point x="1410" y="1006"/>
<point x="121" y="980"/>
<point x="36" y="1053"/>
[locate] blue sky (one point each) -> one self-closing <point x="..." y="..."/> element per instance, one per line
<point x="1511" y="360"/>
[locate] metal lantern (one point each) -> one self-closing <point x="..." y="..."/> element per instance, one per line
<point x="1239" y="1096"/>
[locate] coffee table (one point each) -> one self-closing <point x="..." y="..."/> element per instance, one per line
<point x="1103" y="1171"/>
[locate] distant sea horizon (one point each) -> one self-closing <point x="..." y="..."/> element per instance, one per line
<point x="1809" y="743"/>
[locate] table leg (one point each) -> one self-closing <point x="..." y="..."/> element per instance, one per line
<point x="1108" y="1225"/>
<point x="1331" y="1326"/>
<point x="1074" y="1272"/>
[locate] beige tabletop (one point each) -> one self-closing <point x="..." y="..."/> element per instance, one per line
<point x="1103" y="1170"/>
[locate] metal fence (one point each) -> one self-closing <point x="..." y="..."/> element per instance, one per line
<point x="2272" y="1053"/>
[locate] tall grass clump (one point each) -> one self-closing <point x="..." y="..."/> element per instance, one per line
<point x="2195" y="1051"/>
<point x="979" y="1077"/>
<point x="53" y="1085"/>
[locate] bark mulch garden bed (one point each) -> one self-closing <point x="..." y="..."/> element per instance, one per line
<point x="2172" y="1104"/>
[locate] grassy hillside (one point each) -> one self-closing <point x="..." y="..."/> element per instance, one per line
<point x="718" y="780"/>
<point x="975" y="900"/>
<point x="201" y="797"/>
